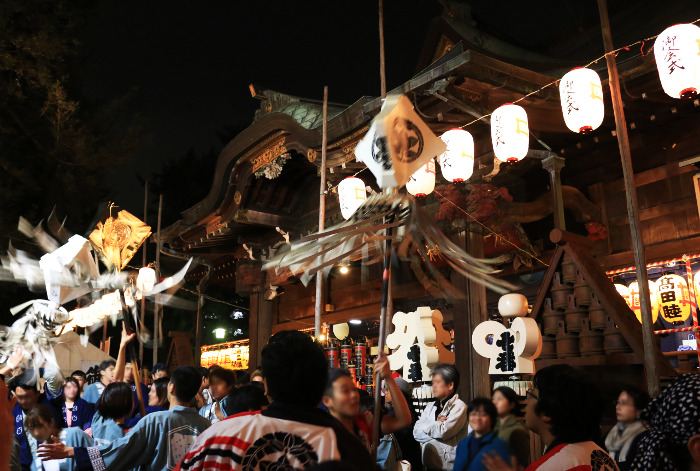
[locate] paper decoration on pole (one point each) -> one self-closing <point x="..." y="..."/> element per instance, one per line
<point x="581" y="95"/>
<point x="457" y="162"/>
<point x="64" y="266"/>
<point x="510" y="134"/>
<point x="118" y="238"/>
<point x="677" y="54"/>
<point x="419" y="341"/>
<point x="422" y="183"/>
<point x="673" y="299"/>
<point x="635" y="304"/>
<point x="511" y="349"/>
<point x="351" y="193"/>
<point x="397" y="144"/>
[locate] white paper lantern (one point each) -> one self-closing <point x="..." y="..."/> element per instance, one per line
<point x="624" y="291"/>
<point x="677" y="54"/>
<point x="146" y="279"/>
<point x="351" y="193"/>
<point x="510" y="133"/>
<point x="457" y="163"/>
<point x="581" y="97"/>
<point x="422" y="183"/>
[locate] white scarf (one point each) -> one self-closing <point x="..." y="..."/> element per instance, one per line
<point x="618" y="443"/>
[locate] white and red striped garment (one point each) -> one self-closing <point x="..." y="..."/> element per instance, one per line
<point x="252" y="441"/>
<point x="583" y="456"/>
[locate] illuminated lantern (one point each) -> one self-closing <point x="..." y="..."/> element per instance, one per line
<point x="457" y="163"/>
<point x="635" y="304"/>
<point x="677" y="54"/>
<point x="422" y="183"/>
<point x="581" y="95"/>
<point x="624" y="291"/>
<point x="146" y="279"/>
<point x="673" y="299"/>
<point x="509" y="133"/>
<point x="351" y="193"/>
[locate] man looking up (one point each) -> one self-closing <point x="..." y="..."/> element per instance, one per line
<point x="443" y="423"/>
<point x="342" y="400"/>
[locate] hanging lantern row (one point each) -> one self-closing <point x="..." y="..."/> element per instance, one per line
<point x="669" y="295"/>
<point x="677" y="54"/>
<point x="106" y="306"/>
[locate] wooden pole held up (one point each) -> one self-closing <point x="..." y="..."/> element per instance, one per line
<point x="319" y="308"/>
<point x="650" y="362"/>
<point x="144" y="260"/>
<point x="156" y="311"/>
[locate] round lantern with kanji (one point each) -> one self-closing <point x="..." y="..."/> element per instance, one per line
<point x="351" y="193"/>
<point x="510" y="134"/>
<point x="581" y="97"/>
<point x="635" y="304"/>
<point x="422" y="182"/>
<point x="677" y="54"/>
<point x="457" y="162"/>
<point x="673" y="299"/>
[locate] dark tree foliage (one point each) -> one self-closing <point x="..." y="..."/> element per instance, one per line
<point x="55" y="144"/>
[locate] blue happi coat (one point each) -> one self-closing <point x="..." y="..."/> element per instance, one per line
<point x="81" y="413"/>
<point x="71" y="436"/>
<point x="158" y="442"/>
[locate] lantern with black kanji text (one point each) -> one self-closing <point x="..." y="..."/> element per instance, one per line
<point x="581" y="97"/>
<point x="457" y="162"/>
<point x="677" y="54"/>
<point x="510" y="134"/>
<point x="673" y="299"/>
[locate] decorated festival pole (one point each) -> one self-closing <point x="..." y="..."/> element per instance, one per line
<point x="156" y="311"/>
<point x="321" y="215"/>
<point x="386" y="273"/>
<point x="650" y="363"/>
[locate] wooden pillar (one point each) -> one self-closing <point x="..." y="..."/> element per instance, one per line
<point x="650" y="361"/>
<point x="468" y="313"/>
<point x="553" y="164"/>
<point x="480" y="382"/>
<point x="259" y="326"/>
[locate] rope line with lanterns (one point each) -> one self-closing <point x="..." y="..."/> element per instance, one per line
<point x="615" y="52"/>
<point x="495" y="234"/>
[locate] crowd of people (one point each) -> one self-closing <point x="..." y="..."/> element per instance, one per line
<point x="295" y="413"/>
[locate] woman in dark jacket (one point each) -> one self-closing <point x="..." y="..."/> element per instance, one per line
<point x="75" y="412"/>
<point x="508" y="427"/>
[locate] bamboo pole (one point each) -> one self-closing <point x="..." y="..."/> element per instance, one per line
<point x="386" y="273"/>
<point x="156" y="311"/>
<point x="382" y="63"/>
<point x="650" y="361"/>
<point x="144" y="260"/>
<point x="319" y="308"/>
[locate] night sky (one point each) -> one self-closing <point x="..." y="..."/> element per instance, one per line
<point x="190" y="64"/>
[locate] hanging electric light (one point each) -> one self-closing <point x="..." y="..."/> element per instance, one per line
<point x="581" y="97"/>
<point x="422" y="182"/>
<point x="457" y="162"/>
<point x="677" y="54"/>
<point x="351" y="193"/>
<point x="509" y="133"/>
